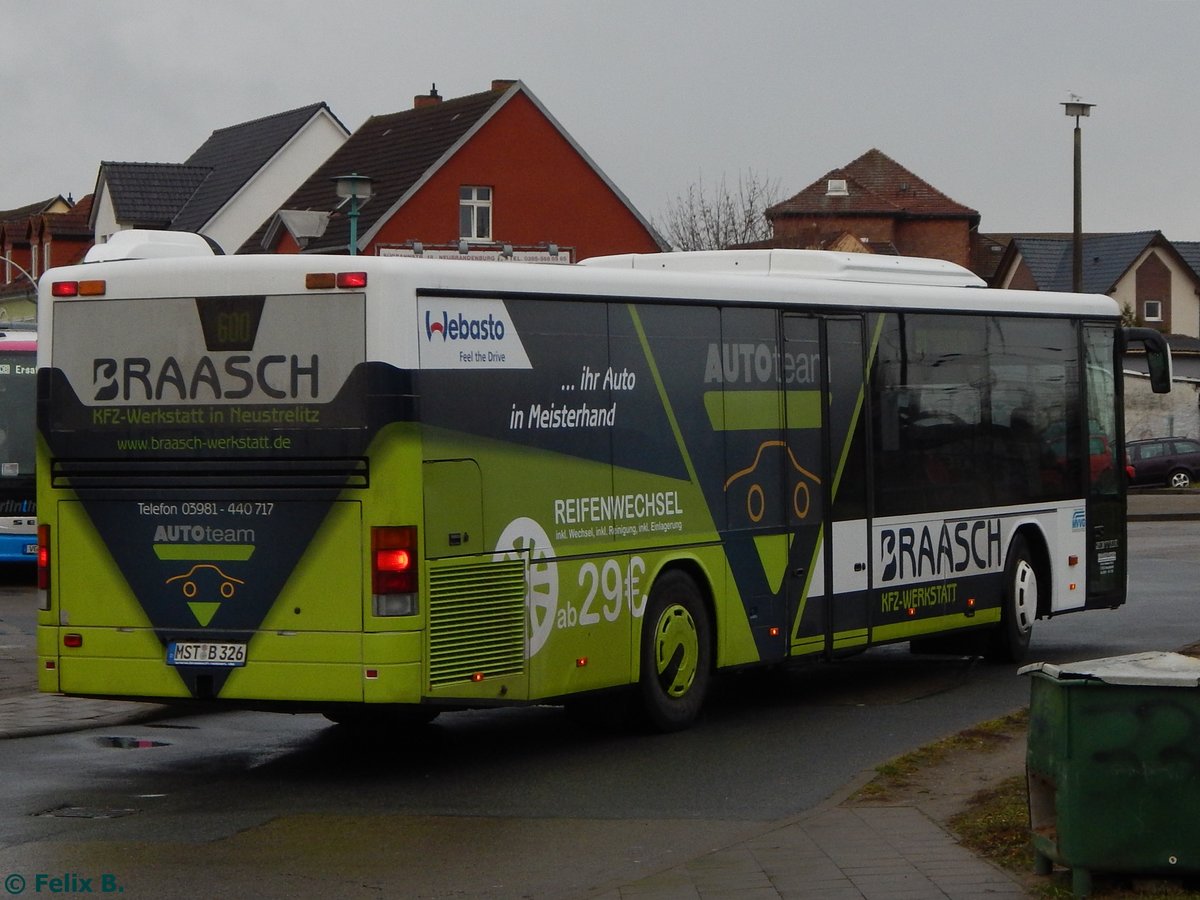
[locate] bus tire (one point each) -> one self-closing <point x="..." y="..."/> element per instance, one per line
<point x="676" y="653"/>
<point x="1010" y="639"/>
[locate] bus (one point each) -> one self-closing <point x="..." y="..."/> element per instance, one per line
<point x="382" y="488"/>
<point x="18" y="501"/>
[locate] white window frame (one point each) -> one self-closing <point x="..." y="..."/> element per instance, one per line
<point x="472" y="199"/>
<point x="1157" y="316"/>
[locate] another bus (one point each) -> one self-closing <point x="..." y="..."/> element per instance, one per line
<point x="18" y="439"/>
<point x="364" y="485"/>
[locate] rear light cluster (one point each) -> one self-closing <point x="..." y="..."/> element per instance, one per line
<point x="323" y="281"/>
<point x="394" y="574"/>
<point x="313" y="281"/>
<point x="43" y="566"/>
<point x="94" y="287"/>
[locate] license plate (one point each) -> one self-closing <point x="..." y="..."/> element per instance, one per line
<point x="205" y="653"/>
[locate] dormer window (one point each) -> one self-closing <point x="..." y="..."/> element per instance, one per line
<point x="475" y="213"/>
<point x="1153" y="311"/>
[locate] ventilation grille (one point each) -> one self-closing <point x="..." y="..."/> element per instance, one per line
<point x="476" y="621"/>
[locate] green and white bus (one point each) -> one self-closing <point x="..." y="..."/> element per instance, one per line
<point x="378" y="485"/>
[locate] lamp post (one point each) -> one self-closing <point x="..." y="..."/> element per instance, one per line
<point x="1076" y="107"/>
<point x="29" y="278"/>
<point x="356" y="188"/>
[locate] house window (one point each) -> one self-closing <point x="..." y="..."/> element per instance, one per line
<point x="475" y="213"/>
<point x="1153" y="311"/>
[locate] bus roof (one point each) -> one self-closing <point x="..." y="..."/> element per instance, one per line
<point x="789" y="278"/>
<point x="866" y="267"/>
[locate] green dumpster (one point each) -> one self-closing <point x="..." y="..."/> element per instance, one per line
<point x="1113" y="766"/>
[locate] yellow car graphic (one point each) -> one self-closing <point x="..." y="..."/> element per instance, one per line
<point x="226" y="585"/>
<point x="756" y="502"/>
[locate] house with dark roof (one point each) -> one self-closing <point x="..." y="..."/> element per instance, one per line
<point x="236" y="178"/>
<point x="32" y="239"/>
<point x="1148" y="275"/>
<point x="488" y="175"/>
<point x="875" y="205"/>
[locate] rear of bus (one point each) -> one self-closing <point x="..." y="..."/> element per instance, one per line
<point x="18" y="510"/>
<point x="203" y="475"/>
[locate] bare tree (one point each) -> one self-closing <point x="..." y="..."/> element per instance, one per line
<point x="704" y="220"/>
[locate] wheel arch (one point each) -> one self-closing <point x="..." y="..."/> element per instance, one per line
<point x="1039" y="551"/>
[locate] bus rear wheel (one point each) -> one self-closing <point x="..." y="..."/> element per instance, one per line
<point x="1010" y="639"/>
<point x="676" y="653"/>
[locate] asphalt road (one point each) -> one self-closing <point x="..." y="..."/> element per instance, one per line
<point x="515" y="802"/>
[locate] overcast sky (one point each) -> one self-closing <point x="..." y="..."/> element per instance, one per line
<point x="661" y="95"/>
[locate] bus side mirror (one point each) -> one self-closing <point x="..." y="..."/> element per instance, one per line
<point x="1158" y="356"/>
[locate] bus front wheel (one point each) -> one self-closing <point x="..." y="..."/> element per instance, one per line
<point x="1010" y="639"/>
<point x="676" y="661"/>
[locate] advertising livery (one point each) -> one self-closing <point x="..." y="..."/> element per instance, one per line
<point x="438" y="485"/>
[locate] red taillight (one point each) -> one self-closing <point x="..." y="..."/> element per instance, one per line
<point x="43" y="558"/>
<point x="65" y="289"/>
<point x="351" y="279"/>
<point x="394" y="559"/>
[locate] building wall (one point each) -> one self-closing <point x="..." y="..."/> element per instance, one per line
<point x="274" y="183"/>
<point x="105" y="216"/>
<point x="948" y="239"/>
<point x="1160" y="415"/>
<point x="542" y="191"/>
<point x="1153" y="277"/>
<point x="805" y="231"/>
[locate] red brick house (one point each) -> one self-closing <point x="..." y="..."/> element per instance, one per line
<point x="489" y="174"/>
<point x="874" y="204"/>
<point x="32" y="239"/>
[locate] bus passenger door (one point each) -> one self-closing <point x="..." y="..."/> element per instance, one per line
<point x="823" y="372"/>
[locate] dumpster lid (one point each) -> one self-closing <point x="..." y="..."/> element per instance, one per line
<point x="1151" y="668"/>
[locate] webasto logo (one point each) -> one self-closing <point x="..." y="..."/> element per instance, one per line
<point x="458" y="327"/>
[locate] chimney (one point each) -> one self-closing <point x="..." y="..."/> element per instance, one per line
<point x="502" y="84"/>
<point x="433" y="98"/>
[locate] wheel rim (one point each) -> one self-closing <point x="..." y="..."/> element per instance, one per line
<point x="1025" y="596"/>
<point x="676" y="650"/>
<point x="1180" y="480"/>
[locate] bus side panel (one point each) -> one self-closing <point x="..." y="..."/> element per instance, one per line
<point x="600" y="467"/>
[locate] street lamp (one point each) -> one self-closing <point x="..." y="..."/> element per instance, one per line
<point x="1076" y="107"/>
<point x="13" y="263"/>
<point x="356" y="188"/>
<point x="30" y="278"/>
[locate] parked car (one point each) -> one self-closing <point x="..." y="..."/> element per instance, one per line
<point x="1170" y="461"/>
